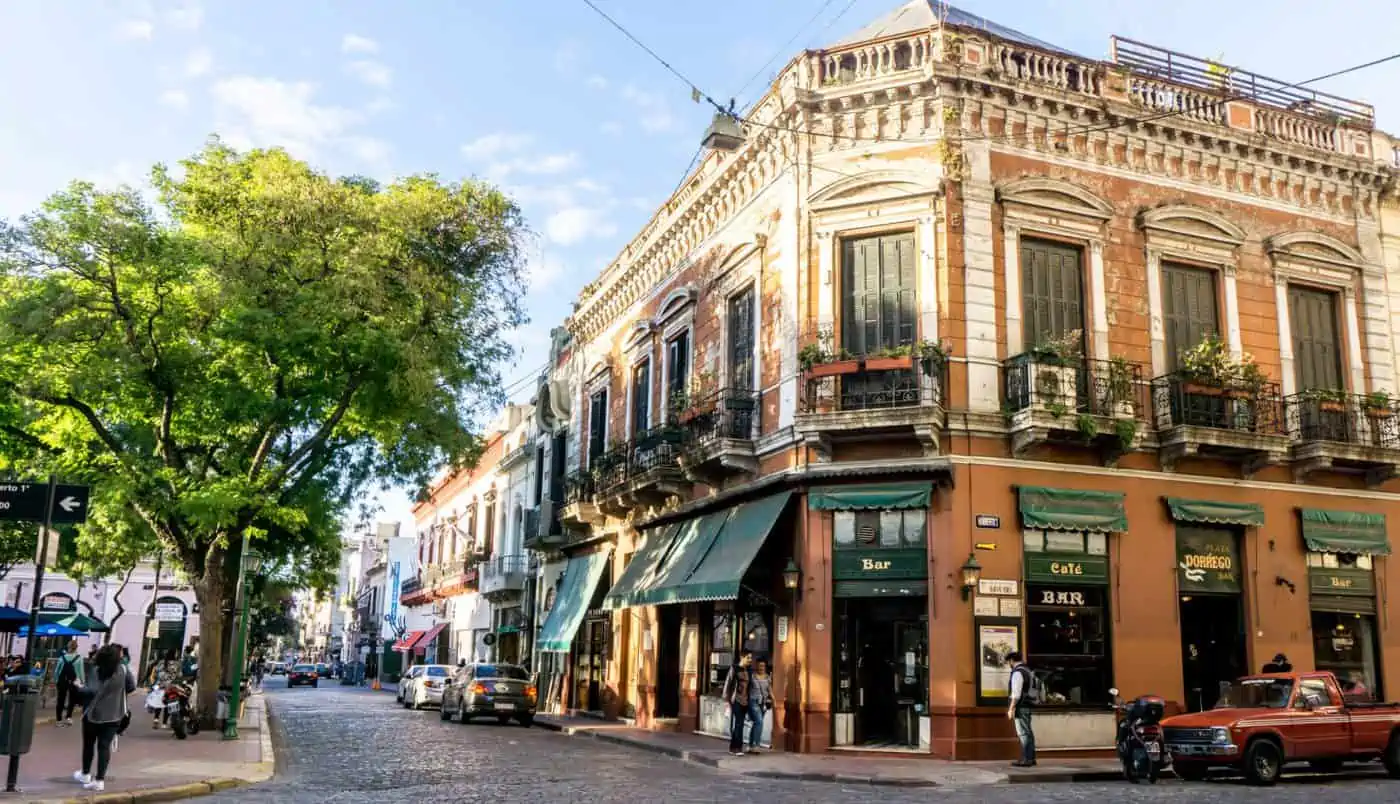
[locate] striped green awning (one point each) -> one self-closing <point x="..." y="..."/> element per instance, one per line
<point x="1344" y="532"/>
<point x="1072" y="509"/>
<point x="869" y="496"/>
<point x="679" y="560"/>
<point x="1215" y="512"/>
<point x="721" y="570"/>
<point x="641" y="568"/>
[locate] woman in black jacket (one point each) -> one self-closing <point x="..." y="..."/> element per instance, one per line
<point x="103" y="716"/>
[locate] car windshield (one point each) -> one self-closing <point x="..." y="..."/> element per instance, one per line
<point x="1258" y="693"/>
<point x="437" y="672"/>
<point x="502" y="671"/>
<point x="303" y="668"/>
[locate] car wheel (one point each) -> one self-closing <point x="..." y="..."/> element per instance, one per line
<point x="1391" y="757"/>
<point x="1191" y="771"/>
<point x="527" y="720"/>
<point x="1262" y="762"/>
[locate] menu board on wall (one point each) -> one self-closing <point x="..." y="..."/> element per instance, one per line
<point x="994" y="642"/>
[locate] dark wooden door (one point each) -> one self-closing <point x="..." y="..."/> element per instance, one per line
<point x="1317" y="351"/>
<point x="1188" y="309"/>
<point x="1052" y="291"/>
<point x="878" y="293"/>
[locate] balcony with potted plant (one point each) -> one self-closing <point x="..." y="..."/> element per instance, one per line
<point x="720" y="436"/>
<point x="642" y="473"/>
<point x="1336" y="431"/>
<point x="579" y="508"/>
<point x="1054" y="396"/>
<point x="1220" y="407"/>
<point x="894" y="390"/>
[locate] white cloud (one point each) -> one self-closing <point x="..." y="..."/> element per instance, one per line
<point x="136" y="29"/>
<point x="597" y="82"/>
<point x="542" y="270"/>
<point x="572" y="225"/>
<point x="270" y="112"/>
<point x="353" y="43"/>
<point x="175" y="98"/>
<point x="656" y="114"/>
<point x="490" y="146"/>
<point x="198" y="62"/>
<point x="371" y="72"/>
<point x="370" y="150"/>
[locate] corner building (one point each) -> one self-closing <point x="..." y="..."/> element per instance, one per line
<point x="952" y="356"/>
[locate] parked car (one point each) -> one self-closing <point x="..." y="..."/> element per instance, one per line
<point x="502" y="691"/>
<point x="1267" y="721"/>
<point x="277" y="669"/>
<point x="425" y="689"/>
<point x="303" y="674"/>
<point x="406" y="681"/>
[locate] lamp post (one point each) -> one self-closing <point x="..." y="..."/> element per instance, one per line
<point x="971" y="574"/>
<point x="250" y="563"/>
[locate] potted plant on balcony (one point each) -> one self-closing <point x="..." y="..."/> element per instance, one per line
<point x="1054" y="370"/>
<point x="1119" y="389"/>
<point x="820" y="358"/>
<point x="933" y="355"/>
<point x="1378" y="405"/>
<point x="1329" y="400"/>
<point x="890" y="358"/>
<point x="1207" y="368"/>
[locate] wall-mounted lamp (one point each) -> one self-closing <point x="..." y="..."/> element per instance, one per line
<point x="1279" y="580"/>
<point x="971" y="574"/>
<point x="792" y="577"/>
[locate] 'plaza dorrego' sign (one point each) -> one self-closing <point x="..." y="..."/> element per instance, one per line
<point x="1208" y="560"/>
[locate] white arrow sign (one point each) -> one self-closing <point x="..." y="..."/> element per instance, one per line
<point x="69" y="504"/>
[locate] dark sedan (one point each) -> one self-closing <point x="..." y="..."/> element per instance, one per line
<point x="502" y="691"/>
<point x="303" y="674"/>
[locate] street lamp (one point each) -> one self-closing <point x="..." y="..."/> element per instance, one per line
<point x="971" y="574"/>
<point x="250" y="564"/>
<point x="792" y="577"/>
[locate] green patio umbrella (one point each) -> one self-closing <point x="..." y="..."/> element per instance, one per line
<point x="75" y="620"/>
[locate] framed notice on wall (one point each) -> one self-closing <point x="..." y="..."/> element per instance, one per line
<point x="996" y="638"/>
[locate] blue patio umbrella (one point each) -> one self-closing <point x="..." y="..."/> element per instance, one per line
<point x="52" y="630"/>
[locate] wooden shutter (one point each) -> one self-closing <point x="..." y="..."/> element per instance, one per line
<point x="678" y="363"/>
<point x="741" y="340"/>
<point x="641" y="397"/>
<point x="878" y="277"/>
<point x="1317" y="352"/>
<point x="597" y="425"/>
<point x="1052" y="291"/>
<point x="1188" y="309"/>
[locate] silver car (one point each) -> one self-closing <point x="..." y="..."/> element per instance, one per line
<point x="502" y="691"/>
<point x="406" y="682"/>
<point x="425" y="688"/>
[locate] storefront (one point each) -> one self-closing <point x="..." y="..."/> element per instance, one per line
<point x="1342" y="596"/>
<point x="573" y="665"/>
<point x="880" y="682"/>
<point x="1209" y="592"/>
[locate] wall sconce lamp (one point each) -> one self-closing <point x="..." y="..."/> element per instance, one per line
<point x="971" y="574"/>
<point x="792" y="577"/>
<point x="1279" y="580"/>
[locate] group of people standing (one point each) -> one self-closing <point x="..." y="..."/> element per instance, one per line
<point x="98" y="683"/>
<point x="748" y="689"/>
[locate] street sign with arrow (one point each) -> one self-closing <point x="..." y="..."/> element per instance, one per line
<point x="23" y="501"/>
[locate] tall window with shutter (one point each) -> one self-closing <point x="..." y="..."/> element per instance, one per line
<point x="677" y="366"/>
<point x="597" y="424"/>
<point x="1188" y="309"/>
<point x="1317" y="349"/>
<point x="1052" y="291"/>
<point x="878" y="279"/>
<point x="641" y="397"/>
<point x="741" y="340"/>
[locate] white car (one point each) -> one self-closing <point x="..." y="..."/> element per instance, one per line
<point x="425" y="688"/>
<point x="406" y="682"/>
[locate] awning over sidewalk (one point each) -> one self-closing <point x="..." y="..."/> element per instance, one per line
<point x="722" y="568"/>
<point x="581" y="578"/>
<point x="1215" y="512"/>
<point x="642" y="567"/>
<point x="693" y="539"/>
<point x="421" y="646"/>
<point x="1344" y="532"/>
<point x="1072" y="509"/>
<point x="408" y="641"/>
<point x="869" y="496"/>
<point x="75" y="620"/>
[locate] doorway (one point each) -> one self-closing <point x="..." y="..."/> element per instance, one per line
<point x="881" y="671"/>
<point x="668" y="662"/>
<point x="1212" y="650"/>
<point x="589" y="667"/>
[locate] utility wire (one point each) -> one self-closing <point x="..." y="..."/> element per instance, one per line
<point x="694" y="89"/>
<point x="784" y="48"/>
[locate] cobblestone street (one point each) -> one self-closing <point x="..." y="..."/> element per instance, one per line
<point x="339" y="745"/>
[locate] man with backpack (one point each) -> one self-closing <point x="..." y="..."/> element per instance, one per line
<point x="1025" y="693"/>
<point x="68" y="678"/>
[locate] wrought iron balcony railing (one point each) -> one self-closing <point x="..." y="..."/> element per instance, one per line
<point x="1356" y="419"/>
<point x="727" y="413"/>
<point x="1112" y="388"/>
<point x="503" y="573"/>
<point x="578" y="487"/>
<point x="1180" y="401"/>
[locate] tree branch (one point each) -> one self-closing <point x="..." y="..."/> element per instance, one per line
<point x="322" y="433"/>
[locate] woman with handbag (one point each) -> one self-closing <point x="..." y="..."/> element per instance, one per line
<point x="760" y="701"/>
<point x="103" y="716"/>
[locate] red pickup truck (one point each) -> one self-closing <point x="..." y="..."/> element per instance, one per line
<point x="1266" y="721"/>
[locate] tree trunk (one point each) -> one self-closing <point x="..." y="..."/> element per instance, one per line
<point x="209" y="590"/>
<point x="117" y="598"/>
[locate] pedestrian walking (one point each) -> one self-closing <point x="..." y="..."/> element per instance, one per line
<point x="66" y="682"/>
<point x="162" y="673"/>
<point x="760" y="701"/>
<point x="258" y="669"/>
<point x="736" y="694"/>
<point x="102" y="719"/>
<point x="1018" y="710"/>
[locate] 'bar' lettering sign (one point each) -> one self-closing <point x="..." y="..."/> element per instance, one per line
<point x="879" y="564"/>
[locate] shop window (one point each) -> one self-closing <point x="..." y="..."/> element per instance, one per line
<point x="1066" y="640"/>
<point x="1345" y="644"/>
<point x="1339" y="561"/>
<point x="721" y="652"/>
<point x="756" y="636"/>
<point x="892" y="529"/>
<point x="1065" y="541"/>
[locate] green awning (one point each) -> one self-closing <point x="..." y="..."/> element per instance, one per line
<point x="680" y="559"/>
<point x="73" y="619"/>
<point x="883" y="496"/>
<point x="1215" y="512"/>
<point x="581" y="577"/>
<point x="1071" y="509"/>
<point x="1345" y="532"/>
<point x="722" y="567"/>
<point x="642" y="567"/>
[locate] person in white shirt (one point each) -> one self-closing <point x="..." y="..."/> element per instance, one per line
<point x="1018" y="709"/>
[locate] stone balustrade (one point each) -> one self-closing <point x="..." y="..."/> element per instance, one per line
<point x="875" y="60"/>
<point x="1297" y="129"/>
<point x="1061" y="72"/>
<point x="1175" y="99"/>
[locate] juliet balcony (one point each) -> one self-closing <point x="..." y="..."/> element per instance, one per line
<point x="1227" y="419"/>
<point x="579" y="508"/>
<point x="1098" y="404"/>
<point x="720" y="429"/>
<point x="1334" y="431"/>
<point x="503" y="576"/>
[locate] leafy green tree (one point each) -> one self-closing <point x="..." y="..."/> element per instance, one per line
<point x="19" y="542"/>
<point x="237" y="360"/>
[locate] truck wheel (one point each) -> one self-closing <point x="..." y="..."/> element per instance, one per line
<point x="1262" y="762"/>
<point x="1191" y="771"/>
<point x="1391" y="757"/>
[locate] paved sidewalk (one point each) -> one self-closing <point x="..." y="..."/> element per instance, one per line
<point x="863" y="768"/>
<point x="149" y="765"/>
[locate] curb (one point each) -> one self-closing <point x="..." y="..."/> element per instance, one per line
<point x="1043" y="777"/>
<point x="262" y="771"/>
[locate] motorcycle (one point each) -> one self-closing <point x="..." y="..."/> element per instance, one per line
<point x="175" y="700"/>
<point x="1141" y="747"/>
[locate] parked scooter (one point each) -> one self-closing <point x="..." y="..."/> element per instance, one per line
<point x="1141" y="748"/>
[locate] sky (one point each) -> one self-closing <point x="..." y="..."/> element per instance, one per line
<point x="542" y="97"/>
